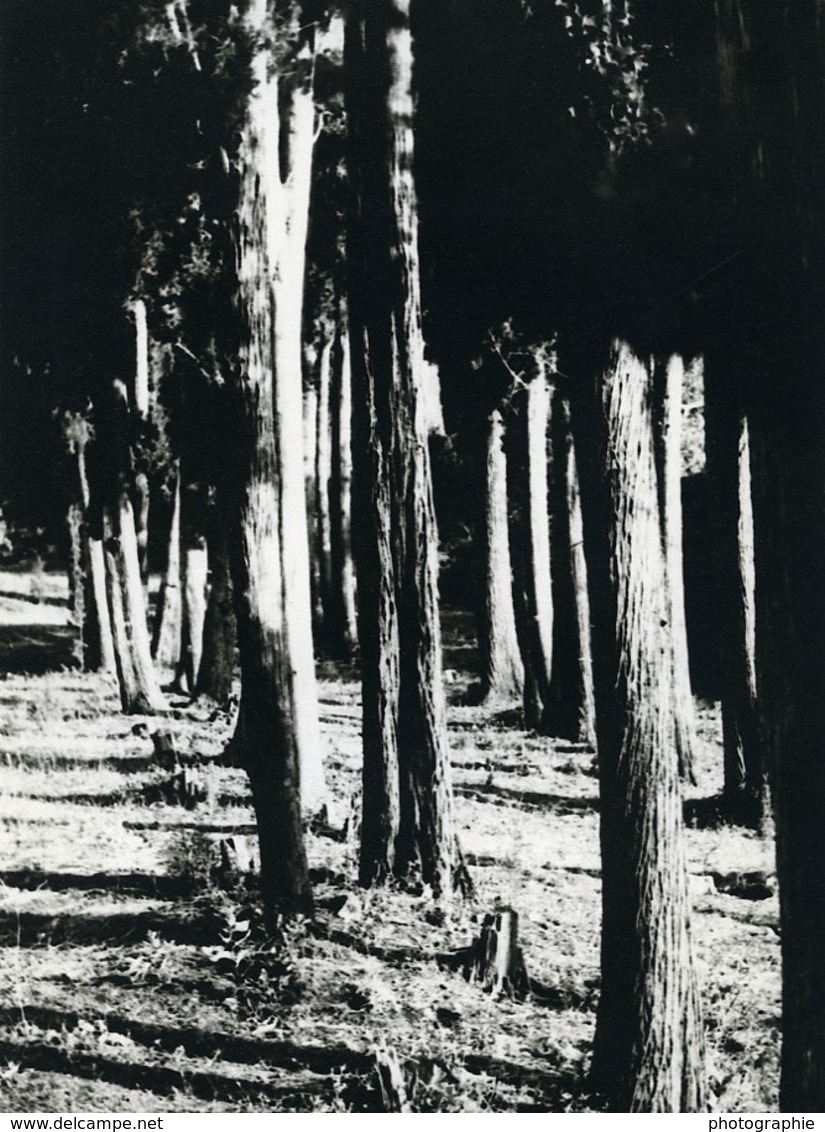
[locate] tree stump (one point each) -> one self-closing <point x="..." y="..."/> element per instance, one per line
<point x="495" y="959"/>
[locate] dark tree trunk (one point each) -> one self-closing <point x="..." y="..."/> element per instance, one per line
<point x="94" y="647"/>
<point x="732" y="557"/>
<point x="648" y="1053"/>
<point x="772" y="81"/>
<point x="530" y="540"/>
<point x="341" y="626"/>
<point x="407" y="827"/>
<point x="789" y="517"/>
<point x="322" y="551"/>
<point x="217" y="666"/>
<point x="569" y="711"/>
<point x="274" y="161"/>
<point x="502" y="671"/>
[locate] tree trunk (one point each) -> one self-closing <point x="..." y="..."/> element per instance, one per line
<point x="278" y="727"/>
<point x="502" y="671"/>
<point x="166" y="638"/>
<point x="648" y="1053"/>
<point x="194" y="574"/>
<point x="732" y="556"/>
<point x="789" y="519"/>
<point x="773" y="94"/>
<point x="323" y="471"/>
<point x="139" y="690"/>
<point x="570" y="710"/>
<point x="341" y="628"/>
<point x="668" y="379"/>
<point x="530" y="537"/>
<point x="407" y="827"/>
<point x="311" y="491"/>
<point x="217" y="666"/>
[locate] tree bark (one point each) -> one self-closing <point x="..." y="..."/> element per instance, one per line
<point x="342" y="629"/>
<point x="407" y="827"/>
<point x="217" y="666"/>
<point x="323" y="471"/>
<point x="139" y="690"/>
<point x="530" y="538"/>
<point x="648" y="1053"/>
<point x="668" y="380"/>
<point x="502" y="671"/>
<point x="278" y="728"/>
<point x="194" y="573"/>
<point x="570" y="710"/>
<point x="166" y="638"/>
<point x="732" y="555"/>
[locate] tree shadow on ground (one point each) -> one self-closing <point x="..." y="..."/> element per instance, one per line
<point x="529" y="799"/>
<point x="36" y="649"/>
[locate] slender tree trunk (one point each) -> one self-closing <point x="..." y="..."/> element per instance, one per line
<point x="502" y="671"/>
<point x="323" y="471"/>
<point x="217" y="667"/>
<point x="407" y="827"/>
<point x="342" y="628"/>
<point x="570" y="710"/>
<point x="139" y="690"/>
<point x="530" y="538"/>
<point x="668" y="380"/>
<point x="278" y="713"/>
<point x="648" y="1053"/>
<point x="732" y="555"/>
<point x="166" y="638"/>
<point x="194" y="573"/>
<point x="311" y="492"/>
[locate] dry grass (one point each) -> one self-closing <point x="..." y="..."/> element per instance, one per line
<point x="134" y="977"/>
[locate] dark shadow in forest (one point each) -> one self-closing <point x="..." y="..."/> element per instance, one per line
<point x="705" y="813"/>
<point x="163" y="1080"/>
<point x="35" y="599"/>
<point x="36" y="649"/>
<point x="552" y="1088"/>
<point x="280" y="1054"/>
<point x="129" y="884"/>
<point x="529" y="799"/>
<point x="201" y="927"/>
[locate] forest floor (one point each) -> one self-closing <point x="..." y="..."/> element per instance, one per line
<point x="134" y="978"/>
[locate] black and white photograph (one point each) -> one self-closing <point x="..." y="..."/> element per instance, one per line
<point x="412" y="558"/>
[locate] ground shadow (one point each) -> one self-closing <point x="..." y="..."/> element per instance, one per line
<point x="36" y="649"/>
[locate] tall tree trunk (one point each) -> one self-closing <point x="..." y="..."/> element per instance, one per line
<point x="502" y="671"/>
<point x="668" y="380"/>
<point x="93" y="650"/>
<point x="530" y="537"/>
<point x="217" y="666"/>
<point x="323" y="471"/>
<point x="732" y="555"/>
<point x="407" y="827"/>
<point x="648" y="1053"/>
<point x="166" y="638"/>
<point x="772" y="69"/>
<point x="789" y="518"/>
<point x="311" y="491"/>
<point x="342" y="628"/>
<point x="278" y="729"/>
<point x="570" y="710"/>
<point x="139" y="690"/>
<point x="194" y="573"/>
